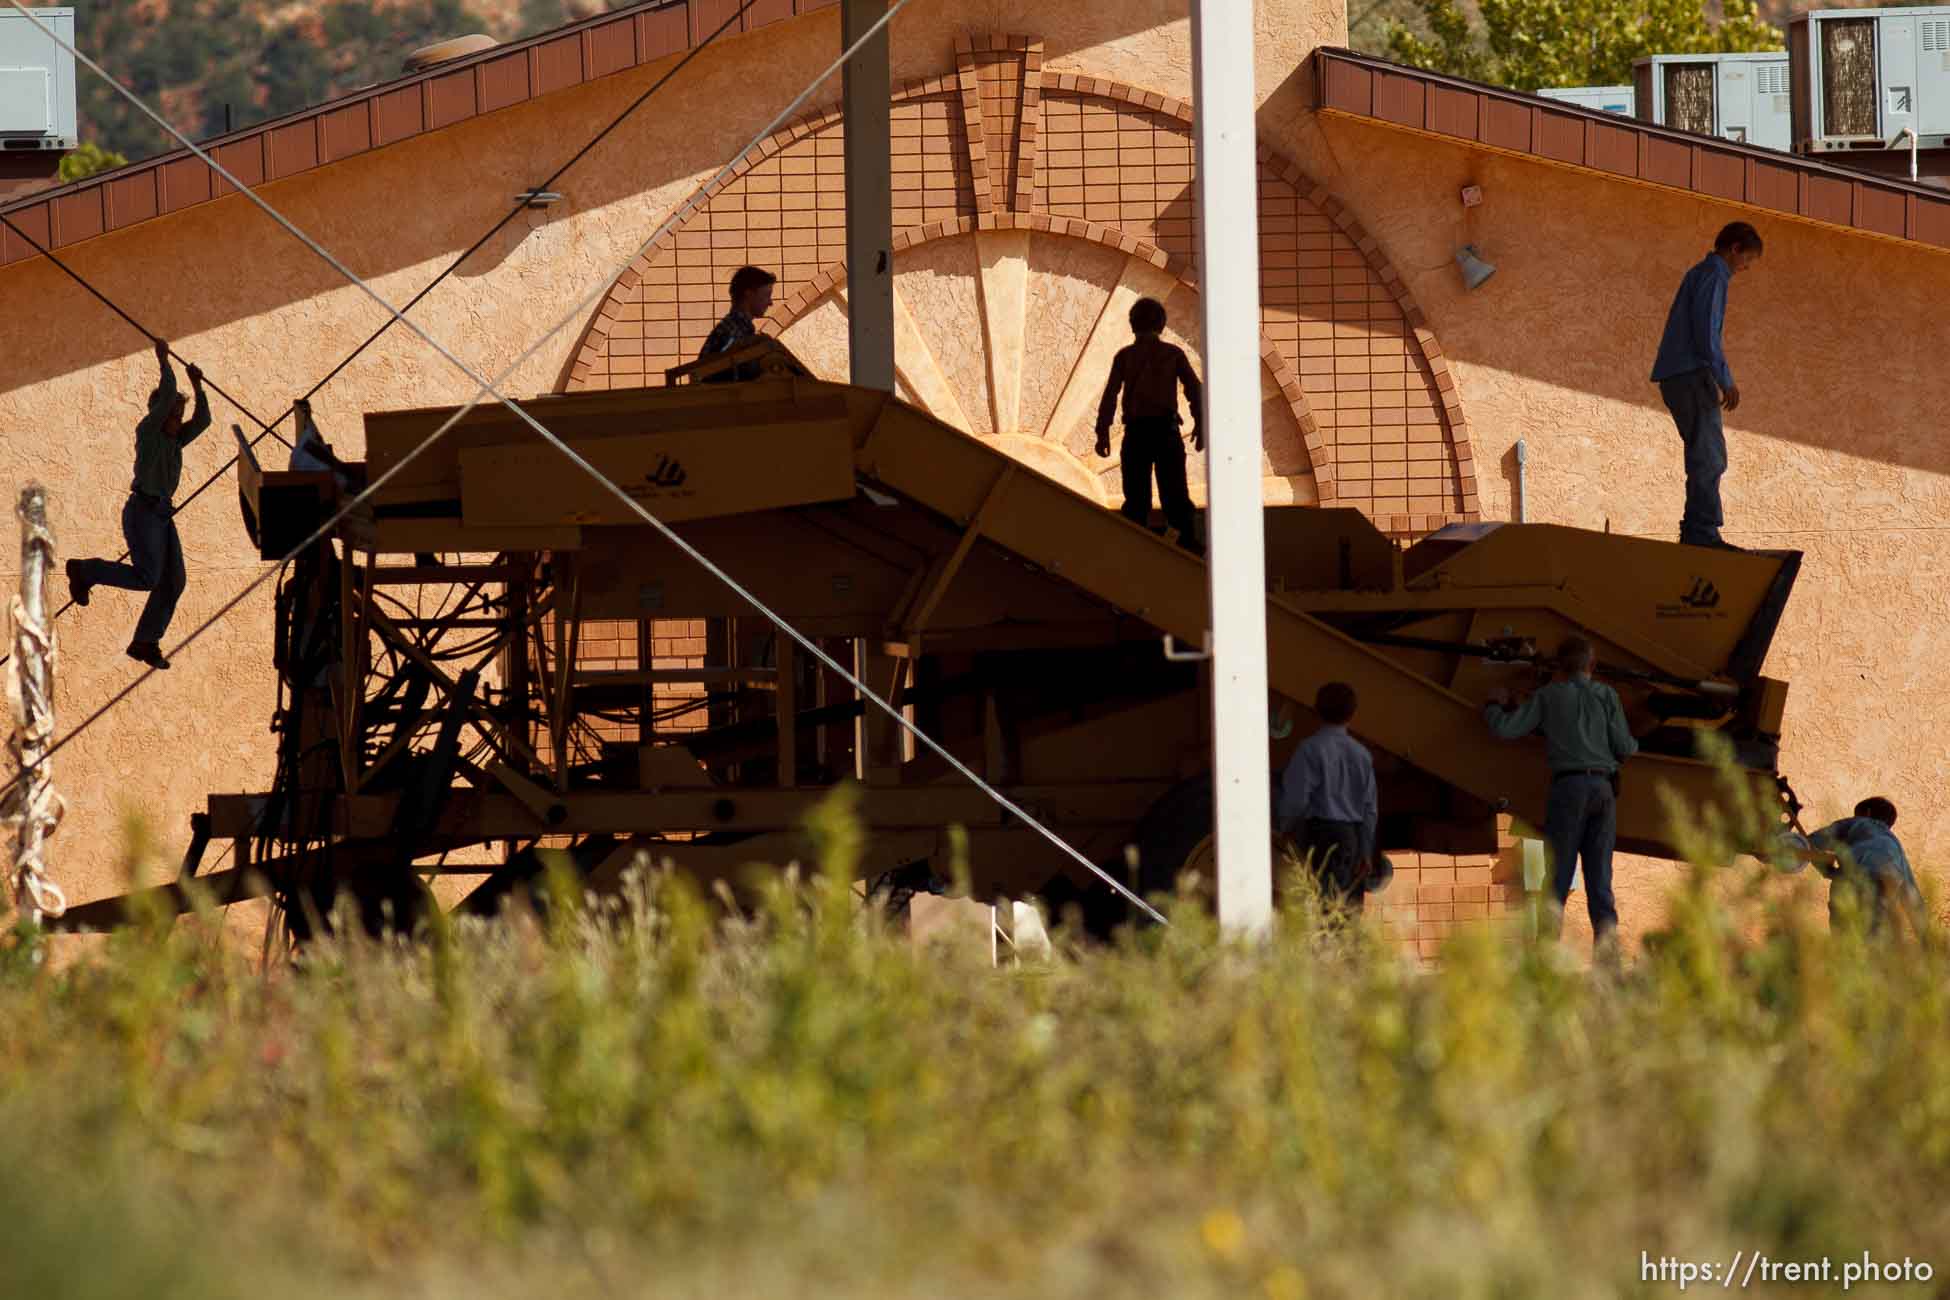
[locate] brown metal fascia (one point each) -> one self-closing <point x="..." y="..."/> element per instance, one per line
<point x="171" y="182"/>
<point x="1921" y="208"/>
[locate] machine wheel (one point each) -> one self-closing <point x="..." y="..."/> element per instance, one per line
<point x="1171" y="832"/>
<point x="1176" y="836"/>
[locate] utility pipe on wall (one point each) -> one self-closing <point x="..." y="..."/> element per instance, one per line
<point x="1523" y="483"/>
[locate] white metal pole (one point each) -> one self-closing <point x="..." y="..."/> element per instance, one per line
<point x="1228" y="252"/>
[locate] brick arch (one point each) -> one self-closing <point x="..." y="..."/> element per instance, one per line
<point x="1427" y="347"/>
<point x="1311" y="247"/>
<point x="612" y="321"/>
<point x="832" y="277"/>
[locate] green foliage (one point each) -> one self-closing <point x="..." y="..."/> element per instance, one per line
<point x="661" y="1096"/>
<point x="1371" y="24"/>
<point x="87" y="160"/>
<point x="1532" y="44"/>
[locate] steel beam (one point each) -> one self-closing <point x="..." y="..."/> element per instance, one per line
<point x="415" y="575"/>
<point x="474" y="816"/>
<point x="915" y="622"/>
<point x="786" y="709"/>
<point x="220" y="888"/>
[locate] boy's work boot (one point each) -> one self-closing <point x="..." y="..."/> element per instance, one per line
<point x="147" y="652"/>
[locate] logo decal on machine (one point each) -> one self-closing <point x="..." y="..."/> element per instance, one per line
<point x="1701" y="600"/>
<point x="663" y="481"/>
<point x="668" y="474"/>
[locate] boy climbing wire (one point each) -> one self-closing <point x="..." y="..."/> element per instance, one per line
<point x="1148" y="373"/>
<point x="148" y="519"/>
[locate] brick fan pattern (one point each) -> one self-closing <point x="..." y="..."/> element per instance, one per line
<point x="1003" y="144"/>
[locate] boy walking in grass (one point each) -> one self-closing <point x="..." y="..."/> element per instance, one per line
<point x="1148" y="374"/>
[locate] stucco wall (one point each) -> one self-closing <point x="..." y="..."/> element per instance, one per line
<point x="1833" y="338"/>
<point x="266" y="319"/>
<point x="1838" y="449"/>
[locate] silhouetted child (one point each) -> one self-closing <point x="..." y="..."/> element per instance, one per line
<point x="1148" y="373"/>
<point x="149" y="517"/>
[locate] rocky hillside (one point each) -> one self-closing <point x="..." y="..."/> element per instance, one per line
<point x="253" y="59"/>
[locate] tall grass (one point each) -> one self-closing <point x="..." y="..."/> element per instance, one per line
<point x="649" y="1099"/>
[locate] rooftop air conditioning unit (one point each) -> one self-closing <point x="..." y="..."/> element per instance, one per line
<point x="1741" y="97"/>
<point x="1606" y="99"/>
<point x="1862" y="75"/>
<point x="37" y="86"/>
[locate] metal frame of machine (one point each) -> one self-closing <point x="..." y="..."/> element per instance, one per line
<point x="1016" y="622"/>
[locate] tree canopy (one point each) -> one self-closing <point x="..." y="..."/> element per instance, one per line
<point x="1532" y="44"/>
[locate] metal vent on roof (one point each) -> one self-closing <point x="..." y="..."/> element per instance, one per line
<point x="429" y="56"/>
<point x="1848" y="76"/>
<point x="26" y="106"/>
<point x="1689" y="97"/>
<point x="37" y="82"/>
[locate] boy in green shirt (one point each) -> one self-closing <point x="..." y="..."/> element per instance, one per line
<point x="1585" y="739"/>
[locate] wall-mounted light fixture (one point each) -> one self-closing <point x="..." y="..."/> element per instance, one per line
<point x="1475" y="270"/>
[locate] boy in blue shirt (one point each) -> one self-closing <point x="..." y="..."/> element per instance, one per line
<point x="1328" y="802"/>
<point x="1865" y="863"/>
<point x="1695" y="381"/>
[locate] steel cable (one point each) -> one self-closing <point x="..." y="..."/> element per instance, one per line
<point x="519" y="207"/>
<point x="489" y="387"/>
